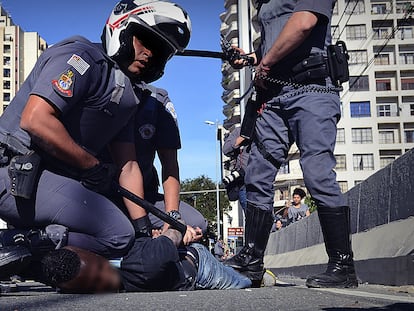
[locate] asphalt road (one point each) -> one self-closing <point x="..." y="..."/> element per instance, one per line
<point x="288" y="294"/>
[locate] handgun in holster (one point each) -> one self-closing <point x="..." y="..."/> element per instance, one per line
<point x="24" y="172"/>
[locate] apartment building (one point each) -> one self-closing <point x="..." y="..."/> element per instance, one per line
<point x="20" y="51"/>
<point x="377" y="104"/>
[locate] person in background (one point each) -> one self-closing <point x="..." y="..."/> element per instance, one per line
<point x="298" y="210"/>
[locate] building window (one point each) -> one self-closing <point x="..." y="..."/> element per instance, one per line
<point x="6" y="73"/>
<point x="406" y="58"/>
<point x="382" y="59"/>
<point x="406" y="33"/>
<point x="343" y="185"/>
<point x="360" y="109"/>
<point x="380" y="8"/>
<point x="407" y="83"/>
<point x="363" y="162"/>
<point x="358" y="57"/>
<point x="356" y="32"/>
<point x="386" y="137"/>
<point x="388" y="156"/>
<point x="284" y="169"/>
<point x="6" y="61"/>
<point x="340" y="136"/>
<point x="358" y="83"/>
<point x="6" y="85"/>
<point x="340" y="162"/>
<point x="6" y="97"/>
<point x="6" y="49"/>
<point x="335" y="32"/>
<point x="383" y="84"/>
<point x="387" y="110"/>
<point x="355" y="7"/>
<point x="402" y="6"/>
<point x="382" y="33"/>
<point x="409" y="136"/>
<point x="384" y="161"/>
<point x="362" y="135"/>
<point x="412" y="109"/>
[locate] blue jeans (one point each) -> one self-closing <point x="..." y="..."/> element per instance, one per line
<point x="212" y="274"/>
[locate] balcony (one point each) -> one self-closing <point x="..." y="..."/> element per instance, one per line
<point x="231" y="96"/>
<point x="230" y="15"/>
<point x="232" y="81"/>
<point x="231" y="31"/>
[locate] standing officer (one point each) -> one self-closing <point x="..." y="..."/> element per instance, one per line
<point x="157" y="133"/>
<point x="295" y="35"/>
<point x="77" y="102"/>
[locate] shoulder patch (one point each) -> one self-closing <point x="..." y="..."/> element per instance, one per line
<point x="79" y="64"/>
<point x="63" y="85"/>
<point x="170" y="108"/>
<point x="147" y="131"/>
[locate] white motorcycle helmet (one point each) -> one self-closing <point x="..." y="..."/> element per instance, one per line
<point x="163" y="25"/>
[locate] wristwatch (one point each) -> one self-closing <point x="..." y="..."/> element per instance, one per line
<point x="174" y="214"/>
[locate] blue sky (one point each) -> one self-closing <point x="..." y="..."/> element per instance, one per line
<point x="193" y="82"/>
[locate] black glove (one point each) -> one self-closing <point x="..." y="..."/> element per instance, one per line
<point x="100" y="177"/>
<point x="142" y="226"/>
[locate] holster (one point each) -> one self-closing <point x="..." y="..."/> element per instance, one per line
<point x="338" y="63"/>
<point x="250" y="115"/>
<point x="24" y="173"/>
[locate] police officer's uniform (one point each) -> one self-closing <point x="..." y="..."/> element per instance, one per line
<point x="95" y="101"/>
<point x="156" y="128"/>
<point x="296" y="115"/>
<point x="306" y="114"/>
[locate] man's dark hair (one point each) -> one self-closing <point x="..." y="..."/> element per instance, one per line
<point x="60" y="266"/>
<point x="300" y="192"/>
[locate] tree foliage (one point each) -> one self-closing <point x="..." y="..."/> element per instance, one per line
<point x="205" y="202"/>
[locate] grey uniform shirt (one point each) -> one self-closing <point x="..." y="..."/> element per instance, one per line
<point x="78" y="79"/>
<point x="156" y="128"/>
<point x="273" y="16"/>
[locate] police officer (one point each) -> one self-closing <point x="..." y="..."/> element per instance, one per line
<point x="76" y="103"/>
<point x="294" y="39"/>
<point x="157" y="133"/>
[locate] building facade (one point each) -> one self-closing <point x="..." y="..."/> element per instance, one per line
<point x="377" y="104"/>
<point x="20" y="51"/>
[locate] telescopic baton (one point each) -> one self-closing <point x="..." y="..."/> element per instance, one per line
<point x="150" y="208"/>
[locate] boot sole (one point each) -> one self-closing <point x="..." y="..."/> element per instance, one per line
<point x="15" y="262"/>
<point x="345" y="284"/>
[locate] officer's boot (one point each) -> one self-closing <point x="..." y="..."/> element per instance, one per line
<point x="335" y="224"/>
<point x="249" y="261"/>
<point x="20" y="247"/>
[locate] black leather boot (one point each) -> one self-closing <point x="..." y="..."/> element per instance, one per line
<point x="249" y="261"/>
<point x="340" y="273"/>
<point x="19" y="247"/>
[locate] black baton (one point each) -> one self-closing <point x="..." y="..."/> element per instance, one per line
<point x="150" y="208"/>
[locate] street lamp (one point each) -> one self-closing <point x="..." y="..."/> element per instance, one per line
<point x="217" y="174"/>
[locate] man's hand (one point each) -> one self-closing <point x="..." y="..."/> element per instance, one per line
<point x="192" y="235"/>
<point x="100" y="177"/>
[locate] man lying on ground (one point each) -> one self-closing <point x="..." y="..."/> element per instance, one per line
<point x="152" y="264"/>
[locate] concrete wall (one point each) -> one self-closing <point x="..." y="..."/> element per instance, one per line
<point x="382" y="225"/>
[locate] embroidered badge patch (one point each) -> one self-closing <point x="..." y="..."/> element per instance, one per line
<point x="79" y="64"/>
<point x="147" y="131"/>
<point x="64" y="83"/>
<point x="170" y="108"/>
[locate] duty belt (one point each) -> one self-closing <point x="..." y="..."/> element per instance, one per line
<point x="13" y="144"/>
